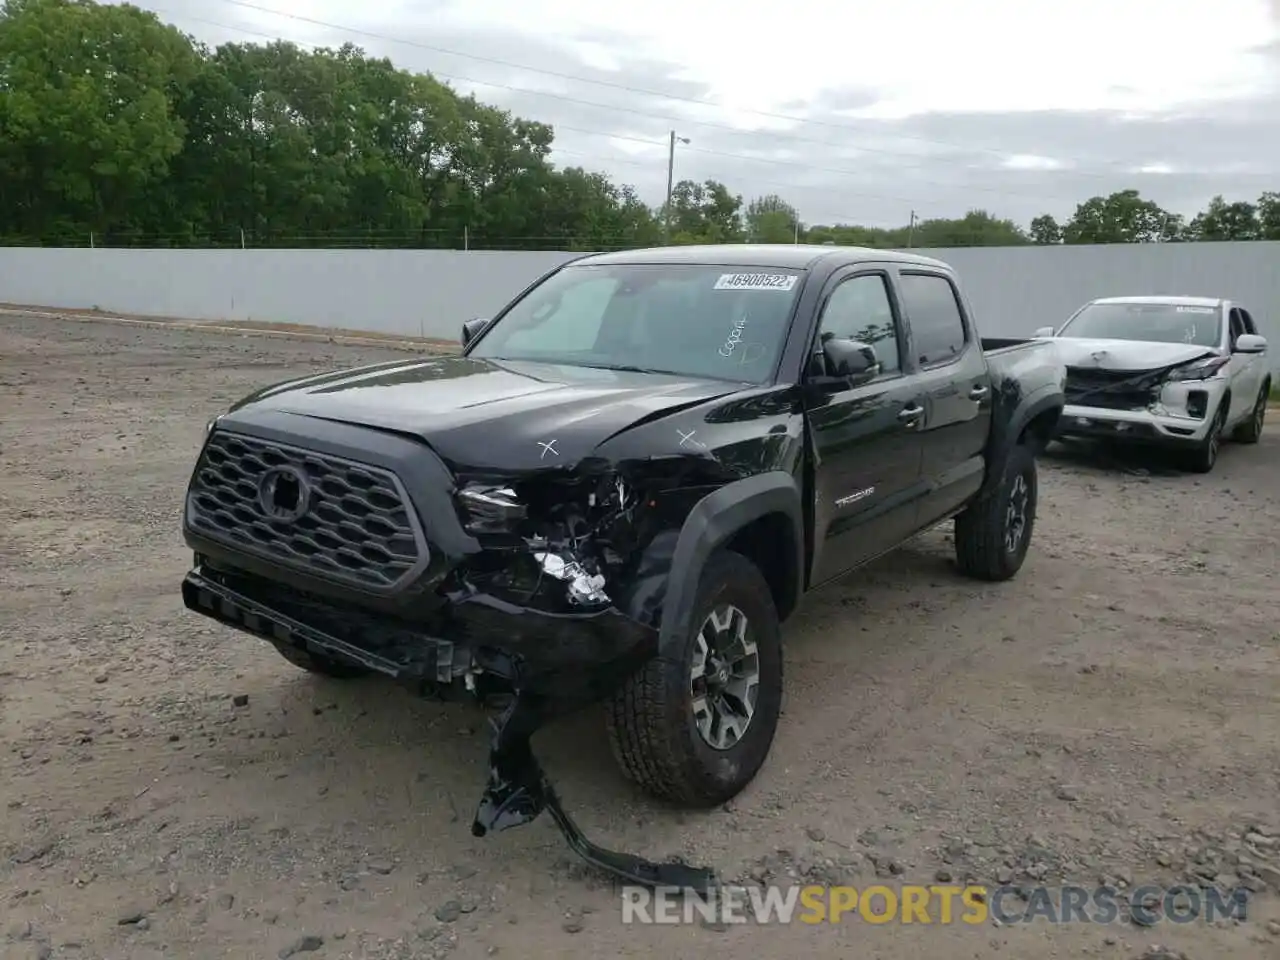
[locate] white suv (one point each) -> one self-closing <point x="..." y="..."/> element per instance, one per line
<point x="1181" y="372"/>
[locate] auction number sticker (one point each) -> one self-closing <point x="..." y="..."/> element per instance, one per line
<point x="756" y="281"/>
<point x="1197" y="310"/>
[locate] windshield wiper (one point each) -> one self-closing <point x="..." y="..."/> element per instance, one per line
<point x="626" y="368"/>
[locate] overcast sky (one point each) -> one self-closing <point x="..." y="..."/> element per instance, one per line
<point x="855" y="111"/>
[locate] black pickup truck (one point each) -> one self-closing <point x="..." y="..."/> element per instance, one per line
<point x="617" y="492"/>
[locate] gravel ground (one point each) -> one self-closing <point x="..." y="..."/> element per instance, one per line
<point x="173" y="789"/>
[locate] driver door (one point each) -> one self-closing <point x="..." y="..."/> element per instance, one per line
<point x="866" y="440"/>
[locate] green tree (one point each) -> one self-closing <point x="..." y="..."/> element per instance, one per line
<point x="705" y="213"/>
<point x="770" y="219"/>
<point x="1122" y="217"/>
<point x="977" y="228"/>
<point x="1045" y="230"/>
<point x="1269" y="216"/>
<point x="1226" y="221"/>
<point x="89" y="117"/>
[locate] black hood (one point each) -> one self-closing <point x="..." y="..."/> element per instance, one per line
<point x="488" y="414"/>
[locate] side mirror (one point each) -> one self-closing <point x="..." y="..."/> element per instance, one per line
<point x="471" y="329"/>
<point x="1250" y="343"/>
<point x="1045" y="332"/>
<point x="849" y="363"/>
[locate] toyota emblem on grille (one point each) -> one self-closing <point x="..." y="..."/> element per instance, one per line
<point x="283" y="493"/>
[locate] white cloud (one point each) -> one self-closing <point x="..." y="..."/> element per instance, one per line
<point x="924" y="55"/>
<point x="1030" y="161"/>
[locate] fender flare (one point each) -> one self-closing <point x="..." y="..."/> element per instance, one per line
<point x="713" y="520"/>
<point x="1028" y="408"/>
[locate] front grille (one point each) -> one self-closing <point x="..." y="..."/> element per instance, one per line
<point x="353" y="524"/>
<point x="1110" y="389"/>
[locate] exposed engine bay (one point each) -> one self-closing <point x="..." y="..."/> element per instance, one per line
<point x="572" y="541"/>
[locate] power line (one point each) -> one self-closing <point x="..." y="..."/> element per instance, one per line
<point x="1038" y="195"/>
<point x="498" y="61"/>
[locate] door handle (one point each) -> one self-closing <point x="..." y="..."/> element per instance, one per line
<point x="909" y="415"/>
<point x="978" y="392"/>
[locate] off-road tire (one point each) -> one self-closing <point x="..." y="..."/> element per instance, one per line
<point x="1204" y="457"/>
<point x="650" y="719"/>
<point x="1251" y="430"/>
<point x="322" y="666"/>
<point x="980" y="531"/>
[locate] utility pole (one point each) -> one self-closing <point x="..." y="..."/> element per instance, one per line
<point x="911" y="230"/>
<point x="671" y="166"/>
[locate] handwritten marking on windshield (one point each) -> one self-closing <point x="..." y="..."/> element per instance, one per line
<point x="548" y="447"/>
<point x="735" y="337"/>
<point x="687" y="438"/>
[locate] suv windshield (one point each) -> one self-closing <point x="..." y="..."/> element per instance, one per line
<point x="697" y="320"/>
<point x="1151" y="322"/>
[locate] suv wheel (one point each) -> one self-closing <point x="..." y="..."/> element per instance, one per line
<point x="993" y="534"/>
<point x="1251" y="430"/>
<point x="324" y="666"/>
<point x="696" y="728"/>
<point x="1205" y="456"/>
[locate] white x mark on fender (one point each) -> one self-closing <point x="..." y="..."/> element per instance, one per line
<point x="688" y="438"/>
<point x="548" y="446"/>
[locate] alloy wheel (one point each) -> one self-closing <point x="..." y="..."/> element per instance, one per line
<point x="724" y="678"/>
<point x="1015" y="514"/>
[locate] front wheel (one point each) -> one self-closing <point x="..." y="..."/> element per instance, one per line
<point x="1205" y="456"/>
<point x="993" y="534"/>
<point x="695" y="728"/>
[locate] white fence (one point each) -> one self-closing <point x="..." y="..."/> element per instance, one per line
<point x="1014" y="290"/>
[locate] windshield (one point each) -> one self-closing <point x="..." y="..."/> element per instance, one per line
<point x="695" y="320"/>
<point x="1151" y="322"/>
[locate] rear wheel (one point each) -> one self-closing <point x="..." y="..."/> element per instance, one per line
<point x="993" y="534"/>
<point x="1251" y="430"/>
<point x="697" y="727"/>
<point x="1204" y="457"/>
<point x="321" y="665"/>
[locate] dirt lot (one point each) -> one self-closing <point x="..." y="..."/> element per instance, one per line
<point x="1112" y="713"/>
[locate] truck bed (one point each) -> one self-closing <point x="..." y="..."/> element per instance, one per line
<point x="1023" y="371"/>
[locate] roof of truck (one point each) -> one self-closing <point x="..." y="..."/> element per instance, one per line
<point x="793" y="256"/>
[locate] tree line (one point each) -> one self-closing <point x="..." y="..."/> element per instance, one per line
<point x="117" y="129"/>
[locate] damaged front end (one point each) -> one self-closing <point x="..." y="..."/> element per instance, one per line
<point x="555" y="605"/>
<point x="1170" y="403"/>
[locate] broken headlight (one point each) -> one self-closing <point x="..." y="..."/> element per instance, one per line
<point x="490" y="508"/>
<point x="1199" y="370"/>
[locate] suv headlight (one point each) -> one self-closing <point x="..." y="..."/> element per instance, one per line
<point x="1199" y="370"/>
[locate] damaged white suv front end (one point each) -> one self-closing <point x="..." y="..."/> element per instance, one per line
<point x="1179" y="372"/>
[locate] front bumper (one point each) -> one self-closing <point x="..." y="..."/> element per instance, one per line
<point x="554" y="663"/>
<point x="1182" y="416"/>
<point x="579" y="657"/>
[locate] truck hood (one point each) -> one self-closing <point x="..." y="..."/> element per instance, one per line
<point x="1133" y="355"/>
<point x="481" y="415"/>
